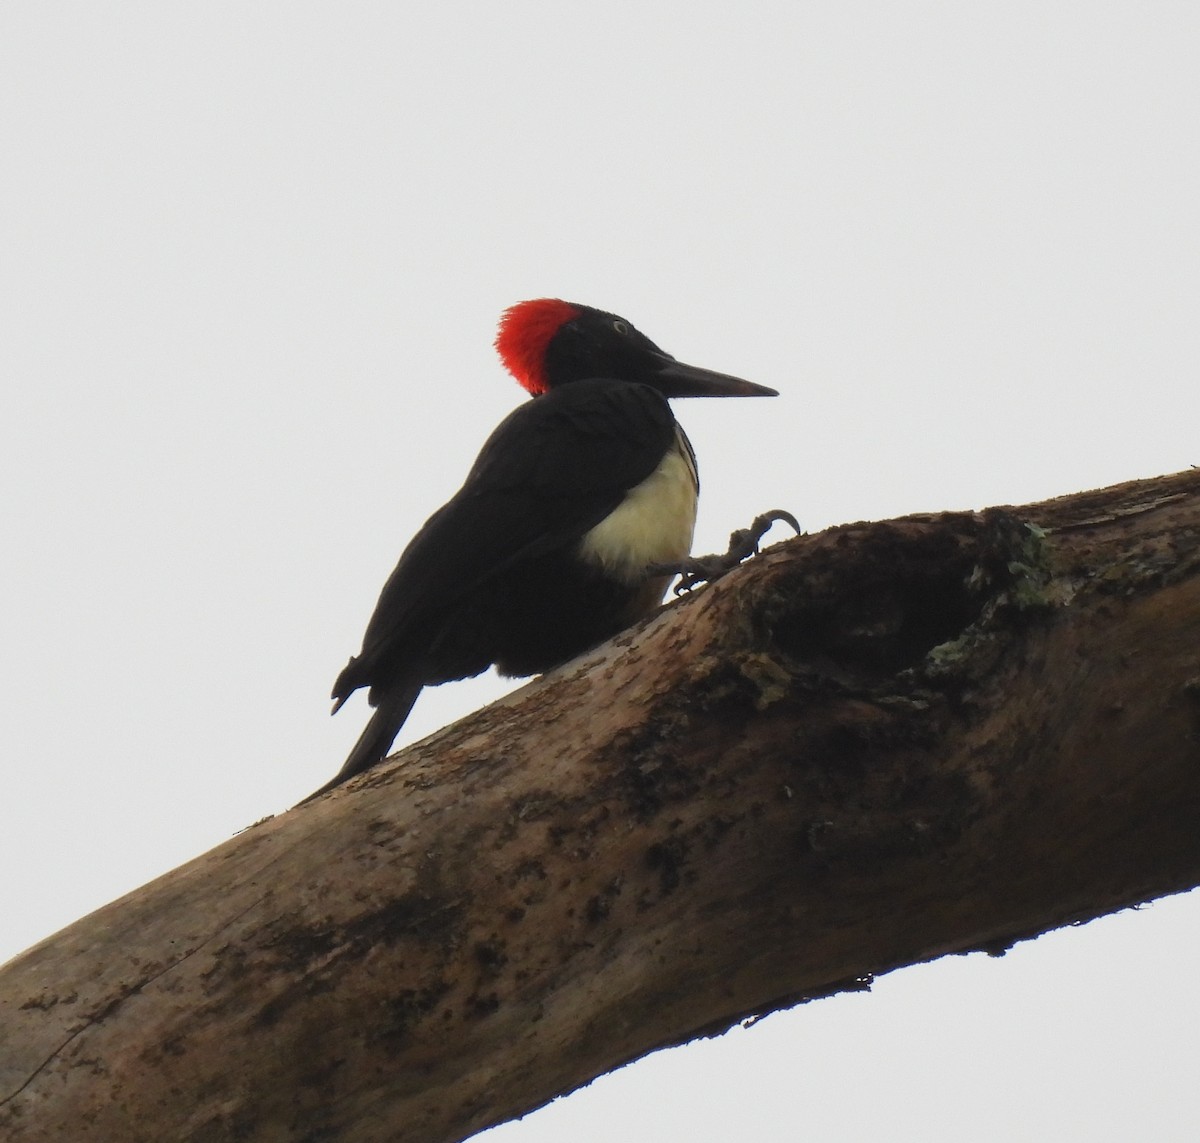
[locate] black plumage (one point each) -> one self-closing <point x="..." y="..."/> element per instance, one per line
<point x="509" y="571"/>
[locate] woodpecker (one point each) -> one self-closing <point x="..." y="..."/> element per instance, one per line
<point x="565" y="530"/>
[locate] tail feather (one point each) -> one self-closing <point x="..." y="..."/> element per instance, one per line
<point x="377" y="737"/>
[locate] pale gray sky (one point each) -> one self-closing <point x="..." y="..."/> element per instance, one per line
<point x="251" y="257"/>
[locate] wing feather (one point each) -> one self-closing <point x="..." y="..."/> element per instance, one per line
<point x="553" y="469"/>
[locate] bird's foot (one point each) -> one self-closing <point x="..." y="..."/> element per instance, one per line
<point x="743" y="544"/>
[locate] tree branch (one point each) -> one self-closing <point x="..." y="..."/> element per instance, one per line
<point x="866" y="748"/>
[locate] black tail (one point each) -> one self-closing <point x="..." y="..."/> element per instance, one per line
<point x="376" y="739"/>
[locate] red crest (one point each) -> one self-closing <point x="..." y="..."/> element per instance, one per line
<point x="526" y="330"/>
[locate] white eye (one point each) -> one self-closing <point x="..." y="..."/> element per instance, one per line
<point x="621" y="327"/>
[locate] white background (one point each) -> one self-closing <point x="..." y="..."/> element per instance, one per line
<point x="251" y="257"/>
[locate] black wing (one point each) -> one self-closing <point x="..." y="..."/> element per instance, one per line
<point x="553" y="469"/>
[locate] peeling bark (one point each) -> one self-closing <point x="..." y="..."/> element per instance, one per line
<point x="866" y="748"/>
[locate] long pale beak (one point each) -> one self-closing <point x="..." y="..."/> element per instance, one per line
<point x="675" y="379"/>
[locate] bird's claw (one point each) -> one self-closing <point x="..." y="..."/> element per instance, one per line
<point x="743" y="544"/>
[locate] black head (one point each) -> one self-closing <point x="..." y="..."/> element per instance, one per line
<point x="547" y="343"/>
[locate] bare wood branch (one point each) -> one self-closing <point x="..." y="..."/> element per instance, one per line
<point x="868" y="747"/>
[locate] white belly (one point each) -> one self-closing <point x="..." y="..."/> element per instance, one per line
<point x="653" y="524"/>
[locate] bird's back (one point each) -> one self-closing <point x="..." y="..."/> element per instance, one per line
<point x="497" y="574"/>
